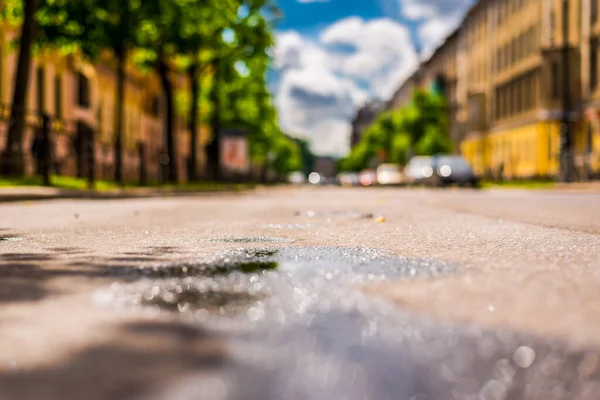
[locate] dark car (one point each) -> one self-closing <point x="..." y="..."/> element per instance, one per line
<point x="448" y="170"/>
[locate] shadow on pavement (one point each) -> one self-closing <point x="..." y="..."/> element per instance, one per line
<point x="30" y="277"/>
<point x="141" y="357"/>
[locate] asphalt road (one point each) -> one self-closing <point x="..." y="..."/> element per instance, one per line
<point x="313" y="293"/>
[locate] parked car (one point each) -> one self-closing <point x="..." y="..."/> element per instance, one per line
<point x="367" y="177"/>
<point x="419" y="170"/>
<point x="296" y="178"/>
<point x="348" y="179"/>
<point x="450" y="169"/>
<point x="441" y="170"/>
<point x="389" y="174"/>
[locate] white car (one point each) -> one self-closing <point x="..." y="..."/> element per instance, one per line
<point x="419" y="169"/>
<point x="389" y="174"/>
<point x="296" y="178"/>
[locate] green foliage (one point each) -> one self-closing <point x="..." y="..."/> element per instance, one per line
<point x="419" y="128"/>
<point x="185" y="37"/>
<point x="90" y="25"/>
<point x="11" y="11"/>
<point x="306" y="155"/>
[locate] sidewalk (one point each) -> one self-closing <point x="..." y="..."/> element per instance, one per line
<point x="582" y="187"/>
<point x="579" y="186"/>
<point x="34" y="193"/>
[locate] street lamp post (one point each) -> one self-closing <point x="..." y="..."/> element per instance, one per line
<point x="566" y="159"/>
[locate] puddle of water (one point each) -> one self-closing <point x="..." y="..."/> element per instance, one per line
<point x="224" y="303"/>
<point x="10" y="238"/>
<point x="209" y="270"/>
<point x="305" y="331"/>
<point x="285" y="274"/>
<point x="254" y="239"/>
<point x="286" y="226"/>
<point x="335" y="215"/>
<point x="261" y="253"/>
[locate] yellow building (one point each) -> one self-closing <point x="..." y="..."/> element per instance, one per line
<point x="509" y="73"/>
<point x="80" y="98"/>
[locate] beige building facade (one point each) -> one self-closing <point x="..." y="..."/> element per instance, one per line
<point x="508" y="80"/>
<point x="80" y="98"/>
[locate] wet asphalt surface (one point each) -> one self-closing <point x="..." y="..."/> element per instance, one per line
<point x="285" y="302"/>
<point x="298" y="328"/>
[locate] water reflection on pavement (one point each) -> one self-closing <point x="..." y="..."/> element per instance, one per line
<point x="298" y="327"/>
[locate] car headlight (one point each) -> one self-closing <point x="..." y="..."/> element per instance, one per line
<point x="427" y="171"/>
<point x="445" y="171"/>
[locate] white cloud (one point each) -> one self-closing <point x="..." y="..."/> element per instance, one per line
<point x="436" y="19"/>
<point x="324" y="81"/>
<point x="434" y="31"/>
<point x="383" y="52"/>
<point x="311" y="101"/>
<point x="426" y="9"/>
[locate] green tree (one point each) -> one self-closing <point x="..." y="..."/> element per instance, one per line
<point x="238" y="91"/>
<point x="420" y="128"/>
<point x="94" y="26"/>
<point x="306" y="155"/>
<point x="12" y="162"/>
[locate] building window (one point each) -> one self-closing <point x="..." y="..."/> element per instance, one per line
<point x="513" y="51"/>
<point x="531" y="90"/>
<point x="593" y="65"/>
<point x="526" y="92"/>
<point x="83" y="92"/>
<point x="40" y="89"/>
<point x="552" y="25"/>
<point x="1" y="74"/>
<point x="100" y="118"/>
<point x="155" y="106"/>
<point x="554" y="80"/>
<point x="497" y="104"/>
<point x="505" y="102"/>
<point x="474" y="111"/>
<point x="519" y="95"/>
<point x="501" y="101"/>
<point x="58" y="96"/>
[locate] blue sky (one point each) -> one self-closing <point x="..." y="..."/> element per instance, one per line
<point x="333" y="55"/>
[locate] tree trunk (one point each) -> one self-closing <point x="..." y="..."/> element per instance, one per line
<point x="12" y="162"/>
<point x="120" y="115"/>
<point x="163" y="70"/>
<point x="213" y="153"/>
<point x="192" y="75"/>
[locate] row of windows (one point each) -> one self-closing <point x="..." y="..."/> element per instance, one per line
<point x="1" y="75"/>
<point x="593" y="64"/>
<point x="476" y="30"/>
<point x="508" y="7"/>
<point x="41" y="92"/>
<point x="517" y="49"/>
<point x="517" y="96"/>
<point x="478" y="72"/>
<point x="511" y="53"/>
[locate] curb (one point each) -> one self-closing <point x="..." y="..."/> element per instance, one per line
<point x="76" y="195"/>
